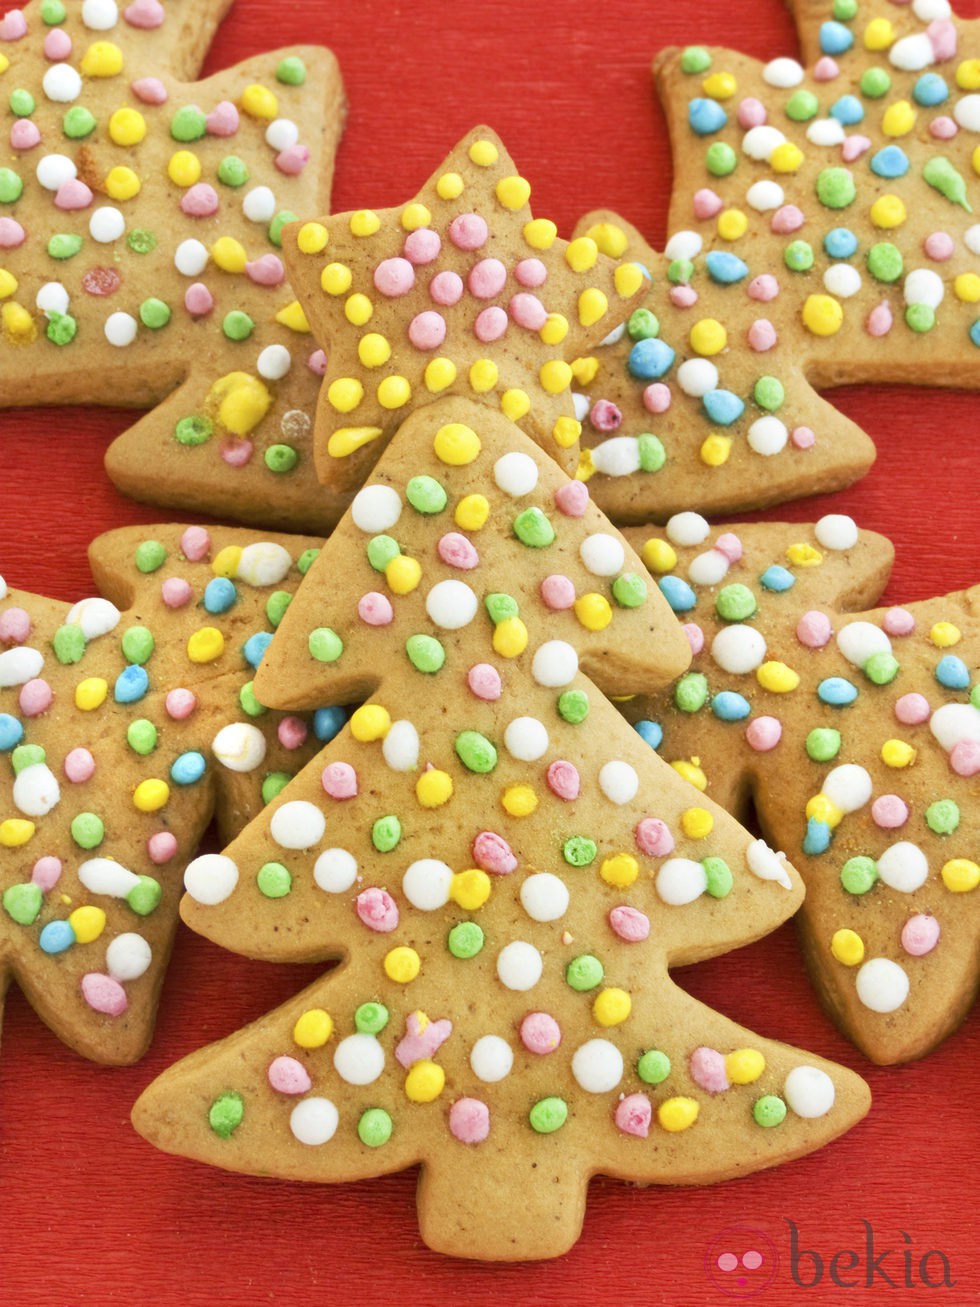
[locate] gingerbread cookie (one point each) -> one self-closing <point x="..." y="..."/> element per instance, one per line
<point x="856" y="735"/>
<point x="506" y="870"/>
<point x="125" y="722"/>
<point x="140" y="247"/>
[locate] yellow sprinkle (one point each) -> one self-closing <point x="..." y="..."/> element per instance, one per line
<point x="483" y="376"/>
<point x="586" y="465"/>
<point x="373" y="350"/>
<point x="732" y="224"/>
<point x="18" y="325"/>
<point x="968" y="75"/>
<point x="611" y="1007"/>
<point x="102" y="59"/>
<point x="692" y="772"/>
<point x="566" y="432"/>
<point x="370" y="722"/>
<point x="519" y="800"/>
<point x="229" y="254"/>
<point x="708" y="337"/>
<point x="743" y="1066"/>
<point x="628" y="279"/>
<point x="402" y="964"/>
<point x="394" y="392"/>
<point x="966" y="286"/>
<point x="8" y="283"/>
<point x="555" y="376"/>
<point x="513" y="192"/>
<point x="483" y="153"/>
<point x="510" y="637"/>
<point x="820" y="808"/>
<point x="896" y="753"/>
<point x="227" y="562"/>
<point x="593" y="611"/>
<point x="804" y="555"/>
<point x="91" y="693"/>
<point x="777" y="677"/>
<point x="720" y="86"/>
<point x="593" y="305"/>
<point x="259" y="102"/>
<point x="184" y="168"/>
<point x="960" y="875"/>
<point x="540" y="233"/>
<point x="822" y="315"/>
<point x="403" y="574"/>
<point x="697" y="823"/>
<point x="345" y="440"/>
<point x="151" y="795"/>
<point x="554" y="330"/>
<point x="456" y="444"/>
<point x="515" y="404"/>
<point x="425" y="1081"/>
<point x="585" y="369"/>
<point x="4" y="63"/>
<point x="879" y="34"/>
<point x="472" y="512"/>
<point x="975" y="159"/>
<point x="365" y="222"/>
<point x="470" y="889"/>
<point x="440" y="373"/>
<point x="621" y="870"/>
<point x="888" y="211"/>
<point x="581" y="254"/>
<point x="609" y="238"/>
<point x="434" y="788"/>
<point x="786" y="158"/>
<point x="450" y="186"/>
<point x="414" y="216"/>
<point x="127" y="127"/>
<point x="716" y="449"/>
<point x="345" y="394"/>
<point x="15" y="831"/>
<point x="847" y="946"/>
<point x="676" y="1114"/>
<point x="121" y="183"/>
<point x="205" y="645"/>
<point x="659" y="555"/>
<point x="88" y="923"/>
<point x="312" y="237"/>
<point x="313" y="1028"/>
<point x="944" y="635"/>
<point x="898" y="119"/>
<point x="294" y="317"/>
<point x="336" y="279"/>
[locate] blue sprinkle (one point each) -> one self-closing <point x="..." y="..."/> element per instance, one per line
<point x="953" y="673"/>
<point x="651" y="732"/>
<point x="930" y="90"/>
<point x="725" y="268"/>
<point x="678" y="593"/>
<point x="650" y="358"/>
<point x="255" y="646"/>
<point x="131" y="684"/>
<point x="848" y="110"/>
<point x="730" y="707"/>
<point x="817" y="837"/>
<point x="723" y="407"/>
<point x="835" y="38"/>
<point x="836" y="691"/>
<point x="327" y="722"/>
<point x="890" y="162"/>
<point x="219" y="595"/>
<point x="975" y="333"/>
<point x="56" y="937"/>
<point x="777" y="578"/>
<point x="11" y="732"/>
<point x="840" y="243"/>
<point x="188" y="768"/>
<point x="706" y="116"/>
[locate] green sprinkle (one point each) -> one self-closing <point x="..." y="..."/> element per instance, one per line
<point x="248" y="702"/>
<point x="695" y="59"/>
<point x="425" y="653"/>
<point x="226" y="1113"/>
<point x="836" y="188"/>
<point x="138" y="644"/>
<point x="291" y="71"/>
<point x="858" y="875"/>
<point x="276" y="605"/>
<point x="23" y="902"/>
<point x="975" y="696"/>
<point x="193" y="430"/>
<point x="642" y="325"/>
<point x="653" y="1068"/>
<point x="371" y="1018"/>
<point x="233" y="171"/>
<point x="145" y="896"/>
<point x="274" y="880"/>
<point x="69" y="643"/>
<point x="26" y="755"/>
<point x="150" y="555"/>
<point x="53" y="12"/>
<point x="920" y="317"/>
<point x="386" y="833"/>
<point x="720" y="878"/>
<point x="875" y="83"/>
<point x="475" y="752"/>
<point x="802" y="106"/>
<point x="306" y="560"/>
<point x="548" y="1115"/>
<point x="943" y="817"/>
<point x="735" y="603"/>
<point x="651" y="451"/>
<point x="579" y="851"/>
<point x="533" y="528"/>
<point x="325" y="645"/>
<point x="188" y="124"/>
<point x="237" y="325"/>
<point x="823" y="743"/>
<point x="769" y="1111"/>
<point x="141" y="736"/>
<point x="61" y="329"/>
<point x="64" y="245"/>
<point x="87" y="830"/>
<point x="584" y="972"/>
<point x="629" y="590"/>
<point x="154" y="314"/>
<point x="374" y="1126"/>
<point x="769" y="393"/>
<point x="281" y="458"/>
<point x="940" y="174"/>
<point x="845" y="10"/>
<point x="691" y="692"/>
<point x="680" y="272"/>
<point x="720" y="159"/>
<point x="78" y="122"/>
<point x="500" y="607"/>
<point x="277" y="224"/>
<point x="465" y="940"/>
<point x="381" y="550"/>
<point x="141" y="241"/>
<point x="881" y="668"/>
<point x="798" y="256"/>
<point x="885" y="262"/>
<point x="21" y="102"/>
<point x="426" y="495"/>
<point x="573" y="706"/>
<point x="274" y="784"/>
<point x="11" y="186"/>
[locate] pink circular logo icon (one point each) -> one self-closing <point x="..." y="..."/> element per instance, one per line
<point x="741" y="1261"/>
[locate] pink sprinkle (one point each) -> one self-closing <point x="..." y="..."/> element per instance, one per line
<point x="339" y="780"/>
<point x="889" y="811"/>
<point x="633" y="1115"/>
<point x="292" y="732"/>
<point x="198" y="300"/>
<point x="527" y="311"/>
<point x="422" y="245"/>
<point x="531" y="272"/>
<point x="943" y="128"/>
<point x="35" y="697"/>
<point x="653" y="837"/>
<point x="563" y="780"/>
<point x="176" y="592"/>
<point x="195" y="543"/>
<point x="161" y="847"/>
<point x="802" y="438"/>
<point x="939" y="246"/>
<point x="456" y="551"/>
<point x="149" y="90"/>
<point x="629" y="924"/>
<point x="656" y="397"/>
<point x="729" y="544"/>
<point x="964" y="758"/>
<point x="540" y="1033"/>
<point x="825" y="69"/>
<point x="79" y="765"/>
<point x="469" y="1120"/>
<point x="558" y="592"/>
<point x="572" y="498"/>
<point x="287" y="1075"/>
<point x="920" y="935"/>
<point x="943" y="39"/>
<point x="912" y="709"/>
<point x="144" y="13"/>
<point x="235" y="452"/>
<point x="707" y="204"/>
<point x="751" y="113"/>
<point x="898" y="621"/>
<point x="24" y="134"/>
<point x="707" y="1069"/>
<point x="763" y="733"/>
<point x="605" y="416"/>
<point x="377" y="910"/>
<point x="72" y="195"/>
<point x="292" y="160"/>
<point x="683" y="297"/>
<point x="180" y="703"/>
<point x="15" y="625"/>
<point x="787" y="219"/>
<point x="223" y="119"/>
<point x="199" y="201"/>
<point x="375" y="609"/>
<point x="853" y="147"/>
<point x="266" y="270"/>
<point x="468" y="231"/>
<point x="879" y="321"/>
<point x="484" y="682"/>
<point x="46" y="872"/>
<point x="13" y="26"/>
<point x="57" y="45"/>
<point x="492" y="853"/>
<point x="12" y="234"/>
<point x="394" y="277"/>
<point x="814" y="629"/>
<point x="317" y="362"/>
<point x="487" y="279"/>
<point x="695" y="637"/>
<point x="446" y="288"/>
<point x="490" y="324"/>
<point x="422" y="1038"/>
<point x="763" y="288"/>
<point x="762" y="335"/>
<point x="104" y="994"/>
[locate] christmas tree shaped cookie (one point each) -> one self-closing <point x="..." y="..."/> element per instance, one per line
<point x="857" y="735"/>
<point x="505" y="870"/>
<point x="825" y="226"/>
<point x="122" y="728"/>
<point x="140" y="246"/>
<point x="460" y="291"/>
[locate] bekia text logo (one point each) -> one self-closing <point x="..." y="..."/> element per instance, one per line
<point x="743" y="1261"/>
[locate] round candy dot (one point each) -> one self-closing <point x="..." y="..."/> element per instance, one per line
<point x="882" y="985"/>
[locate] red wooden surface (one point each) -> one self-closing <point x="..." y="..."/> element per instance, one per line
<point x="89" y="1214"/>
